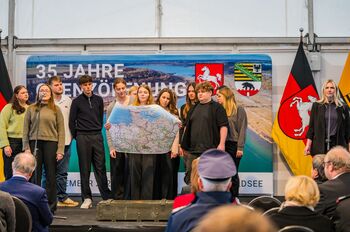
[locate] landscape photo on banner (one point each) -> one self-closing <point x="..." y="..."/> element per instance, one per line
<point x="250" y="76"/>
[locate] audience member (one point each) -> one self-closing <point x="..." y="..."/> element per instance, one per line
<point x="32" y="195"/>
<point x="317" y="172"/>
<point x="64" y="103"/>
<point x="230" y="218"/>
<point x="214" y="190"/>
<point x="85" y="123"/>
<point x="337" y="171"/>
<point x="11" y="127"/>
<point x="341" y="215"/>
<point x="7" y="213"/>
<point x="301" y="194"/>
<point x="206" y="125"/>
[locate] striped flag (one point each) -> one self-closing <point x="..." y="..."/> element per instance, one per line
<point x="344" y="83"/>
<point x="292" y="119"/>
<point x="5" y="95"/>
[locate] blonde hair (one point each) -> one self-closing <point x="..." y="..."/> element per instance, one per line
<point x="150" y="97"/>
<point x="194" y="176"/>
<point x="302" y="190"/>
<point x="132" y="89"/>
<point x="229" y="104"/>
<point x="231" y="218"/>
<point x="324" y="99"/>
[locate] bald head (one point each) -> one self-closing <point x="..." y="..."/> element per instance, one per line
<point x="24" y="164"/>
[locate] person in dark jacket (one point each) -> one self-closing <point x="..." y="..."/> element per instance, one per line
<point x="206" y="125"/>
<point x="301" y="194"/>
<point x="32" y="195"/>
<point x="214" y="190"/>
<point x="85" y="123"/>
<point x="337" y="171"/>
<point x="342" y="216"/>
<point x="329" y="122"/>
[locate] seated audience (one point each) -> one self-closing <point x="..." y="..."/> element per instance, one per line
<point x="214" y="190"/>
<point x="317" y="172"/>
<point x="301" y="194"/>
<point x="7" y="213"/>
<point x="337" y="171"/>
<point x="32" y="195"/>
<point x="231" y="218"/>
<point x="341" y="215"/>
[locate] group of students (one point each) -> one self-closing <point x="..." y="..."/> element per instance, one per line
<point x="47" y="127"/>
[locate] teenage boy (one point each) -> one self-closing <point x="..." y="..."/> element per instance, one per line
<point x="64" y="103"/>
<point x="206" y="125"/>
<point x="85" y="123"/>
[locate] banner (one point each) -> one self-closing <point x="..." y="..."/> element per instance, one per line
<point x="252" y="90"/>
<point x="6" y="93"/>
<point x="292" y="119"/>
<point x="344" y="83"/>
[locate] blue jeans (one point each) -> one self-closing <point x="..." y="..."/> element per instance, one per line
<point x="61" y="175"/>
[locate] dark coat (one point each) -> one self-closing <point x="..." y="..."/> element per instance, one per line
<point x="7" y="213"/>
<point x="302" y="216"/>
<point x="342" y="216"/>
<point x="34" y="197"/>
<point x="187" y="218"/>
<point x="317" y="128"/>
<point x="330" y="191"/>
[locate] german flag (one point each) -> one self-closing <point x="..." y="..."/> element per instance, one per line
<point x="5" y="95"/>
<point x="292" y="119"/>
<point x="344" y="83"/>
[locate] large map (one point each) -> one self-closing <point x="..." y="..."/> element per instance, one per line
<point x="143" y="129"/>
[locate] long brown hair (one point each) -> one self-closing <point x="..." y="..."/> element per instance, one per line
<point x="188" y="103"/>
<point x="50" y="103"/>
<point x="229" y="104"/>
<point x="150" y="97"/>
<point x="14" y="100"/>
<point x="172" y="103"/>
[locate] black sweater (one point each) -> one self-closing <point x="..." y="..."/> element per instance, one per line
<point x="86" y="115"/>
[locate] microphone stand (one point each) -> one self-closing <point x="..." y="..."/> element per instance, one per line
<point x="37" y="119"/>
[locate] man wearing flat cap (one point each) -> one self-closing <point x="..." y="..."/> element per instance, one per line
<point x="215" y="169"/>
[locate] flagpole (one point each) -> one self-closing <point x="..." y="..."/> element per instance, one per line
<point x="301" y="34"/>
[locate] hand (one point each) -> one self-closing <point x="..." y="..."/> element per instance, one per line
<point x="221" y="147"/>
<point x="307" y="150"/>
<point x="239" y="154"/>
<point x="173" y="155"/>
<point x="27" y="151"/>
<point x="59" y="156"/>
<point x="108" y="126"/>
<point x="113" y="153"/>
<point x="181" y="151"/>
<point x="180" y="124"/>
<point x="8" y="151"/>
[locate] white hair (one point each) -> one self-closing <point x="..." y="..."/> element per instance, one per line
<point x="212" y="186"/>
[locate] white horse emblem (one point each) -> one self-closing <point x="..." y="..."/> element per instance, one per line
<point x="207" y="77"/>
<point x="303" y="109"/>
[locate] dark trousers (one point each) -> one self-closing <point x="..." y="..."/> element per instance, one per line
<point x="16" y="146"/>
<point x="142" y="168"/>
<point x="118" y="177"/>
<point x="46" y="154"/>
<point x="163" y="186"/>
<point x="175" y="163"/>
<point x="91" y="151"/>
<point x="231" y="148"/>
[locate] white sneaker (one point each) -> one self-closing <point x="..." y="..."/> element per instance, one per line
<point x="87" y="204"/>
